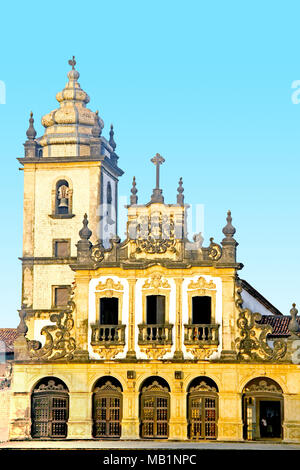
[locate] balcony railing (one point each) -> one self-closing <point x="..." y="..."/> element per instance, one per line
<point x="155" y="334"/>
<point x="108" y="334"/>
<point x="201" y="334"/>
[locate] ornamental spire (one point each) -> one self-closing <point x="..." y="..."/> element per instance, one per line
<point x="180" y="196"/>
<point x="157" y="192"/>
<point x="133" y="197"/>
<point x="31" y="132"/>
<point x="112" y="143"/>
<point x="229" y="229"/>
<point x="85" y="233"/>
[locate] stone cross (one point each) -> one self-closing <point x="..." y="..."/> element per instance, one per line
<point x="157" y="160"/>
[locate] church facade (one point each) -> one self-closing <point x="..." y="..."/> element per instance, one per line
<point x="153" y="337"/>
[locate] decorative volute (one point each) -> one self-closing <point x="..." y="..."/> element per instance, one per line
<point x="69" y="128"/>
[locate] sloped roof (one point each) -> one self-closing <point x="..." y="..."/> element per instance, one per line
<point x="280" y="324"/>
<point x="259" y="297"/>
<point x="8" y="336"/>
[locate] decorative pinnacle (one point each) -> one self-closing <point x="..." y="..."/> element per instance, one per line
<point x="72" y="62"/>
<point x="96" y="129"/>
<point x="22" y="327"/>
<point x="112" y="143"/>
<point x="294" y="327"/>
<point x="31" y="132"/>
<point x="229" y="229"/>
<point x="133" y="197"/>
<point x="85" y="233"/>
<point x="180" y="196"/>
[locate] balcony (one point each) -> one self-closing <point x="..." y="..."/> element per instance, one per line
<point x="108" y="334"/>
<point x="205" y="334"/>
<point x="157" y="334"/>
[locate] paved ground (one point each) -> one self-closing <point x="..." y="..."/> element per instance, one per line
<point x="146" y="445"/>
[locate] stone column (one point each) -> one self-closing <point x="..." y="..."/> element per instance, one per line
<point x="228" y="317"/>
<point x="178" y="413"/>
<point x="130" y="419"/>
<point x="80" y="415"/>
<point x="131" y="354"/>
<point x="178" y="354"/>
<point x="20" y="422"/>
<point x="291" y="413"/>
<point x="230" y="424"/>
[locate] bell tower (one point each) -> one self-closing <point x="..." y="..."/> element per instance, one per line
<point x="68" y="171"/>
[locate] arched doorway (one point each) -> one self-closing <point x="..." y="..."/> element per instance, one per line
<point x="107" y="408"/>
<point x="202" y="409"/>
<point x="155" y="408"/>
<point x="262" y="409"/>
<point x="50" y="409"/>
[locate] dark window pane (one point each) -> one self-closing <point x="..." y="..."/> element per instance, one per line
<point x="201" y="310"/>
<point x="155" y="306"/>
<point x="109" y="311"/>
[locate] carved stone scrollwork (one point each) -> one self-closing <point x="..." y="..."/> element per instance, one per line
<point x="214" y="250"/>
<point x="263" y="386"/>
<point x="156" y="352"/>
<point x="108" y="352"/>
<point x="201" y="353"/>
<point x="59" y="342"/>
<point x="156" y="235"/>
<point x="97" y="253"/>
<point x="201" y="283"/>
<point x="156" y="281"/>
<point x="252" y="343"/>
<point x="203" y="387"/>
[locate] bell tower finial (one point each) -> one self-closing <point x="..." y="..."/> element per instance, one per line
<point x="31" y="132"/>
<point x="180" y="196"/>
<point x="72" y="62"/>
<point x="157" y="192"/>
<point x="133" y="197"/>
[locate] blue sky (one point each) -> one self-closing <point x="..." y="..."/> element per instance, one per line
<point x="206" y="84"/>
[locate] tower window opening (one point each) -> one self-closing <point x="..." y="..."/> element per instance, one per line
<point x="62" y="203"/>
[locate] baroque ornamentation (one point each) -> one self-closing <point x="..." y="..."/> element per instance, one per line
<point x="155" y="352"/>
<point x="155" y="282"/>
<point x="203" y="387"/>
<point x="59" y="342"/>
<point x="214" y="250"/>
<point x="201" y="283"/>
<point x="108" y="352"/>
<point x="108" y="387"/>
<point x="156" y="235"/>
<point x="109" y="285"/>
<point x="97" y="253"/>
<point x="51" y="386"/>
<point x="201" y="353"/>
<point x="263" y="386"/>
<point x="252" y="343"/>
<point x="155" y="387"/>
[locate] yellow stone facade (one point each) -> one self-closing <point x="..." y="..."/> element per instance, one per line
<point x="68" y="356"/>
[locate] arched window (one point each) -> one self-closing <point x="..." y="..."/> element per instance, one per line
<point x="202" y="409"/>
<point x="155" y="408"/>
<point x="50" y="409"/>
<point x="62" y="201"/>
<point x="262" y="409"/>
<point x="107" y="408"/>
